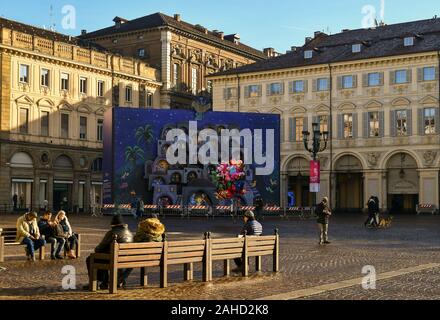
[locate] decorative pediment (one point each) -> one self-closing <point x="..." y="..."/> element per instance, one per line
<point x="276" y="111"/>
<point x="100" y="112"/>
<point x="298" y="109"/>
<point x="84" y="109"/>
<point x="24" y="99"/>
<point x="46" y="103"/>
<point x="398" y="102"/>
<point x="322" y="109"/>
<point x="373" y="104"/>
<point x="429" y="100"/>
<point x="347" y="106"/>
<point x="65" y="106"/>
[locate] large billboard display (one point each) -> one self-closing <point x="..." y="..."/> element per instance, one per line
<point x="180" y="157"/>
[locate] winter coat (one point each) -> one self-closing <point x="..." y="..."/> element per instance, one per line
<point x="46" y="229"/>
<point x="150" y="230"/>
<point x="372" y="206"/>
<point x="323" y="212"/>
<point x="24" y="229"/>
<point x="66" y="227"/>
<point x="123" y="236"/>
<point x="252" y="228"/>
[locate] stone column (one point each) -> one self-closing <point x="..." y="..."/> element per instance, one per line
<point x="87" y="196"/>
<point x="75" y="195"/>
<point x="373" y="186"/>
<point x="325" y="187"/>
<point x="50" y="191"/>
<point x="36" y="192"/>
<point x="429" y="186"/>
<point x="283" y="189"/>
<point x="166" y="68"/>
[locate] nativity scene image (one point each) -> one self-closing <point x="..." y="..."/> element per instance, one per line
<point x="199" y="185"/>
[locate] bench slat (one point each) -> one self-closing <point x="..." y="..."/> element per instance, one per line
<point x="186" y="243"/>
<point x="129" y="265"/>
<point x="186" y="249"/>
<point x="225" y="256"/>
<point x="140" y="258"/>
<point x="261" y="248"/>
<point x="146" y="245"/>
<point x="225" y="251"/>
<point x="134" y="252"/>
<point x="185" y="255"/>
<point x="228" y="240"/>
<point x="227" y="245"/>
<point x="184" y="260"/>
<point x="10" y="244"/>
<point x="260" y="253"/>
<point x="263" y="238"/>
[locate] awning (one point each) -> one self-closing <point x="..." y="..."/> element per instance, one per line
<point x="62" y="182"/>
<point x="96" y="183"/>
<point x="20" y="180"/>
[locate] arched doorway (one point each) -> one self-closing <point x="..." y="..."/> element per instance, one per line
<point x="403" y="183"/>
<point x="349" y="184"/>
<point x="298" y="183"/>
<point x="22" y="166"/>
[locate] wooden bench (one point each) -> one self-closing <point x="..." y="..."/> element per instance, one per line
<point x="7" y="239"/>
<point x="186" y="253"/>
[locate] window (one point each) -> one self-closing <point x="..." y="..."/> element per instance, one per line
<point x="275" y="89"/>
<point x="348" y="126"/>
<point x="429" y="74"/>
<point x="299" y="128"/>
<point x="97" y="165"/>
<point x="100" y="130"/>
<point x="298" y="86"/>
<point x="254" y="91"/>
<point x="323" y="123"/>
<point x="100" y="88"/>
<point x="83" y="85"/>
<point x="194" y="80"/>
<point x="64" y="125"/>
<point x="429" y="116"/>
<point x="308" y="54"/>
<point x="82" y="128"/>
<point x="402" y="122"/>
<point x="356" y="48"/>
<point x="24" y="73"/>
<point x="373" y="121"/>
<point x="128" y="94"/>
<point x="65" y="81"/>
<point x="141" y="53"/>
<point x="401" y="76"/>
<point x="374" y="79"/>
<point x="176" y="74"/>
<point x="408" y="41"/>
<point x="44" y="77"/>
<point x="24" y="121"/>
<point x="44" y="123"/>
<point x="149" y="99"/>
<point x="230" y="93"/>
<point x="347" y="82"/>
<point x="322" y="84"/>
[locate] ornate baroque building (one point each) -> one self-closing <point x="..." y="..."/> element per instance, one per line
<point x="55" y="90"/>
<point x="184" y="53"/>
<point x="375" y="90"/>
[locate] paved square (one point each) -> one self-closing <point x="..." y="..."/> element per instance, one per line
<point x="406" y="258"/>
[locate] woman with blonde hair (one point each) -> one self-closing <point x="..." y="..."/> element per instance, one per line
<point x="150" y="230"/>
<point x="64" y="229"/>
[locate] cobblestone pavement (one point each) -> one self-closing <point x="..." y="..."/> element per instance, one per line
<point x="412" y="241"/>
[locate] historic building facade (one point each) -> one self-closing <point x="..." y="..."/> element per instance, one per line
<point x="184" y="53"/>
<point x="55" y="90"/>
<point x="375" y="90"/>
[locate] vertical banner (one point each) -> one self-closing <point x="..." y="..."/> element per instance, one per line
<point x="315" y="176"/>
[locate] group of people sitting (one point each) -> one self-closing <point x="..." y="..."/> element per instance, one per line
<point x="151" y="230"/>
<point x="35" y="234"/>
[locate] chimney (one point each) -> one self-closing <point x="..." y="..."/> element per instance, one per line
<point x="345" y="30"/>
<point x="177" y="17"/>
<point x="269" y="52"/>
<point x="294" y="49"/>
<point x="308" y="39"/>
<point x="83" y="32"/>
<point x="235" y="38"/>
<point x="219" y="34"/>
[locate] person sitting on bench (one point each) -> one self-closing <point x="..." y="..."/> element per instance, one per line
<point x="48" y="230"/>
<point x="28" y="234"/>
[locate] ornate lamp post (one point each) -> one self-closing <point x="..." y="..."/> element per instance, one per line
<point x="317" y="146"/>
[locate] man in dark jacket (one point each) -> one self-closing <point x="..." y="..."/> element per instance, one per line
<point x="323" y="212"/>
<point x="122" y="234"/>
<point x="372" y="211"/>
<point x="251" y="228"/>
<point x="48" y="230"/>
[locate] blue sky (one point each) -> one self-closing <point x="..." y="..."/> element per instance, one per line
<point x="261" y="23"/>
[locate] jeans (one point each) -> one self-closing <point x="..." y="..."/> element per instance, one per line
<point x="323" y="236"/>
<point x="57" y="244"/>
<point x="71" y="243"/>
<point x="33" y="245"/>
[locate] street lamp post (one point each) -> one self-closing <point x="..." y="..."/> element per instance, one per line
<point x="317" y="147"/>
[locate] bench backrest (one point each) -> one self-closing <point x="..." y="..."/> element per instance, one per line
<point x="10" y="234"/>
<point x="181" y="252"/>
<point x="230" y="248"/>
<point x="132" y="255"/>
<point x="260" y="246"/>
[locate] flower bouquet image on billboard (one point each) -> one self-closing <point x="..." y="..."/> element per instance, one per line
<point x="180" y="157"/>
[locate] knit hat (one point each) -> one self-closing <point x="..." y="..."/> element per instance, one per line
<point x="117" y="220"/>
<point x="152" y="226"/>
<point x="249" y="214"/>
